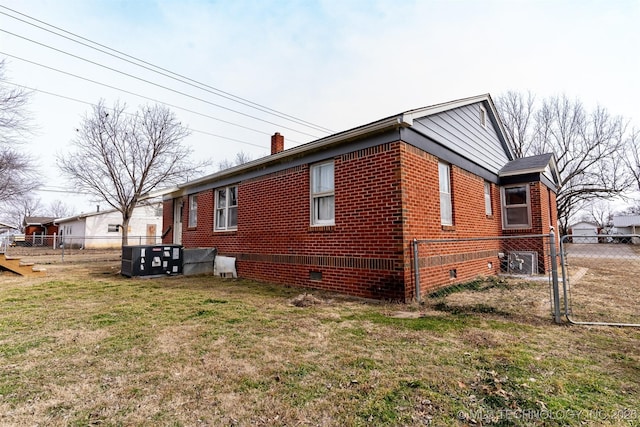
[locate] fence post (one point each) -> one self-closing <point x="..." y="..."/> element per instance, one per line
<point x="554" y="277"/>
<point x="416" y="268"/>
<point x="565" y="277"/>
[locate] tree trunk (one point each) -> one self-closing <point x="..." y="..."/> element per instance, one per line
<point x="125" y="231"/>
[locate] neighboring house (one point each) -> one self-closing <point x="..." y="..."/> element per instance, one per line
<point x="103" y="229"/>
<point x="6" y="230"/>
<point x="584" y="232"/>
<point x="38" y="229"/>
<point x="340" y="213"/>
<point x="627" y="224"/>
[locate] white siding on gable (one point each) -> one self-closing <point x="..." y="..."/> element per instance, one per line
<point x="462" y="132"/>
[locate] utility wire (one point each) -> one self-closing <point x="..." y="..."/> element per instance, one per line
<point x="130" y="93"/>
<point x="170" y="105"/>
<point x="148" y="82"/>
<point x="191" y="129"/>
<point x="164" y="72"/>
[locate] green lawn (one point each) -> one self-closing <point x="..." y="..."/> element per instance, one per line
<point x="83" y="347"/>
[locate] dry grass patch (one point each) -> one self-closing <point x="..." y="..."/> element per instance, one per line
<point x="604" y="290"/>
<point x="87" y="347"/>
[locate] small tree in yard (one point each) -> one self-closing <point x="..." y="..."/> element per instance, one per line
<point x="118" y="156"/>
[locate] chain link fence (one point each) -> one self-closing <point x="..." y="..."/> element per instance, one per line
<point x="505" y="276"/>
<point x="601" y="279"/>
<point x="50" y="248"/>
<point x="596" y="280"/>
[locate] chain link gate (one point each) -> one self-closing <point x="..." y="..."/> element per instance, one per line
<point x="601" y="279"/>
<point x="507" y="275"/>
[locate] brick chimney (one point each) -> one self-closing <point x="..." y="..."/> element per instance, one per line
<point x="277" y="143"/>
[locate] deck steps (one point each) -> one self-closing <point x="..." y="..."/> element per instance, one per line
<point x="15" y="265"/>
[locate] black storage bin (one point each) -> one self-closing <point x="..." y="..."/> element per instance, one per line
<point x="151" y="260"/>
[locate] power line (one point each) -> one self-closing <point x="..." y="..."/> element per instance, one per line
<point x="163" y="72"/>
<point x="58" y="190"/>
<point x="128" y="92"/>
<point x="143" y="80"/>
<point x="170" y="105"/>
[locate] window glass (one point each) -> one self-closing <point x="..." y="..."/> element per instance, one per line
<point x="226" y="216"/>
<point x="515" y="195"/>
<point x="446" y="208"/>
<point x="193" y="211"/>
<point x="517" y="216"/>
<point x="322" y="193"/>
<point x="516" y="209"/>
<point x="487" y="198"/>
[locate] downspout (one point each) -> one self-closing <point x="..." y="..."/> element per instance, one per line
<point x="416" y="268"/>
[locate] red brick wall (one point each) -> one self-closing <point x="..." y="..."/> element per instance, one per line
<point x="360" y="255"/>
<point x="385" y="196"/>
<point x="421" y="206"/>
<point x="199" y="236"/>
<point x="544" y="214"/>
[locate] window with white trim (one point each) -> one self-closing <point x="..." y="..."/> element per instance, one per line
<point x="516" y="207"/>
<point x="487" y="198"/>
<point x="112" y="228"/>
<point x="193" y="210"/>
<point x="226" y="208"/>
<point x="446" y="209"/>
<point x="322" y="194"/>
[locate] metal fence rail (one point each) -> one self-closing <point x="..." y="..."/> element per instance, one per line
<point x="52" y="246"/>
<point x="601" y="279"/>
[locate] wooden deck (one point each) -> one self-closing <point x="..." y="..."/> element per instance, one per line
<point x="15" y="265"/>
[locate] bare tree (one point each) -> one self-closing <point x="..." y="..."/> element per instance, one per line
<point x="119" y="157"/>
<point x="240" y="159"/>
<point x="601" y="213"/>
<point x="58" y="209"/>
<point x="633" y="159"/>
<point x="225" y="164"/>
<point x="589" y="147"/>
<point x="18" y="174"/>
<point x="517" y="111"/>
<point x="19" y="208"/>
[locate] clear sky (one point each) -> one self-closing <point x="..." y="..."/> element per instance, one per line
<point x="336" y="64"/>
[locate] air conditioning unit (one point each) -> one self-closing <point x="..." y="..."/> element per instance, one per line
<point x="523" y="262"/>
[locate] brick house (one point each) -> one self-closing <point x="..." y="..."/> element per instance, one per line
<point x="340" y="213"/>
<point x="39" y="229"/>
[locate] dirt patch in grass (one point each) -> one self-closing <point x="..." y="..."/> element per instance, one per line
<point x="83" y="346"/>
<point x="307" y="300"/>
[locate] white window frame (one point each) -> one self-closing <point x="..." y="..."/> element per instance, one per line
<point x="444" y="184"/>
<point x="193" y="210"/>
<point x="113" y="228"/>
<point x="225" y="209"/>
<point x="488" y="208"/>
<point x="327" y="194"/>
<point x="505" y="207"/>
